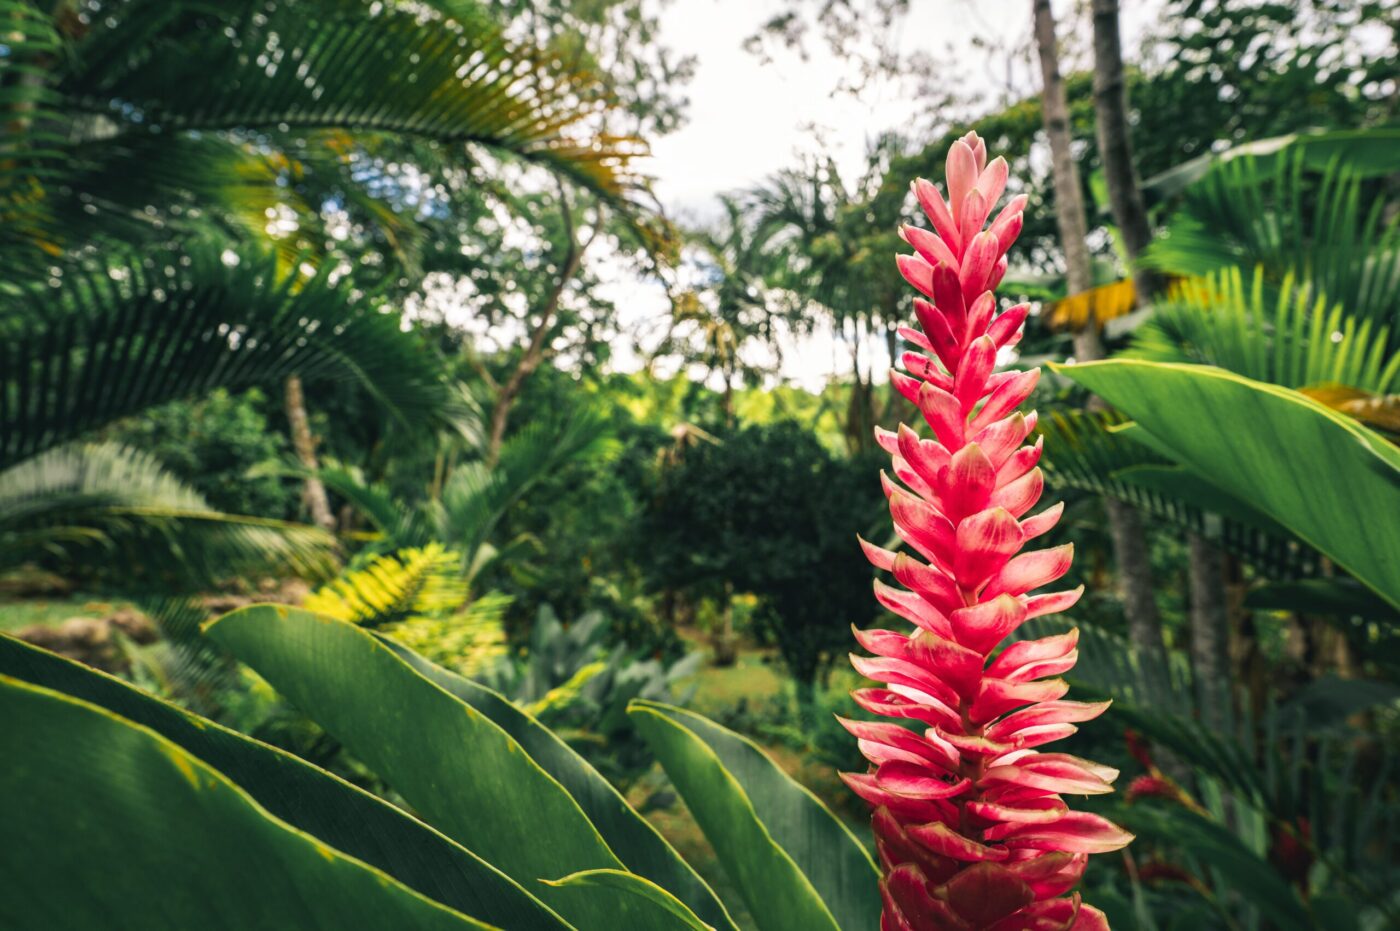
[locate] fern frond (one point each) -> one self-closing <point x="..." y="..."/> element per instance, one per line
<point x="394" y="588"/>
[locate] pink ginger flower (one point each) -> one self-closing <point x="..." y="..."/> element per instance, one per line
<point x="969" y="821"/>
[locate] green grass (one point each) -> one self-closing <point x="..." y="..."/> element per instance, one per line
<point x="753" y="679"/>
<point x="52" y="611"/>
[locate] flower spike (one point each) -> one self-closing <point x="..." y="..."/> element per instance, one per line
<point x="969" y="822"/>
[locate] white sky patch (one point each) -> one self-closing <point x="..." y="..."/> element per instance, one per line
<point x="749" y="118"/>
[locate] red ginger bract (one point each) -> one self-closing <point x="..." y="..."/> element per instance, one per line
<point x="969" y="821"/>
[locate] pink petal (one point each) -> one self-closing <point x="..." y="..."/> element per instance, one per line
<point x="973" y="746"/>
<point x="863" y="785"/>
<point x="944" y="416"/>
<point x="998" y="273"/>
<point x="1008" y="396"/>
<point x="1024" y="652"/>
<point x="892" y="705"/>
<point x="999" y="696"/>
<point x="1061" y="778"/>
<point x="1047" y="915"/>
<point x="1002" y="438"/>
<point x="917" y="272"/>
<point x="978" y="360"/>
<point x="1021" y="462"/>
<point x="913" y="781"/>
<point x="907" y="890"/>
<point x="948" y="298"/>
<point x="1052" y="602"/>
<point x="943" y="840"/>
<point x="931" y="247"/>
<point x="879" y="557"/>
<point x="928" y="582"/>
<point x="901" y="672"/>
<point x="882" y="642"/>
<point x="912" y="608"/>
<point x="1044" y="734"/>
<point x="982" y="626"/>
<point x="1039" y="811"/>
<point x="962" y="175"/>
<point x="1020" y="496"/>
<point x="909" y="387"/>
<point x="968" y="483"/>
<point x="977" y="265"/>
<point x="979" y="316"/>
<point x="924" y="456"/>
<point x="955" y="664"/>
<point x="985" y="541"/>
<point x="1076" y="832"/>
<point x="940" y="334"/>
<point x="1051" y="712"/>
<point x="992" y="181"/>
<point x="915" y="337"/>
<point x="939" y="215"/>
<point x="1007" y="324"/>
<point x="1006" y="228"/>
<point x="900" y="738"/>
<point x="984" y="892"/>
<point x="1041" y="523"/>
<point x="1090" y="919"/>
<point x="1032" y="570"/>
<point x="974" y="214"/>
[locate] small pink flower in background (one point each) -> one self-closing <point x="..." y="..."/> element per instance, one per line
<point x="969" y="821"/>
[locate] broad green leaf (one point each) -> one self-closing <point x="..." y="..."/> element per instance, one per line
<point x="797" y="866"/>
<point x="460" y="771"/>
<point x="630" y="836"/>
<point x="668" y="912"/>
<point x="109" y="826"/>
<point x="337" y="813"/>
<point x="1332" y="482"/>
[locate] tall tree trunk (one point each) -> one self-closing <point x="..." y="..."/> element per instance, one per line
<point x="1210" y="601"/>
<point x="313" y="492"/>
<point x="1125" y="524"/>
<point x="1115" y="142"/>
<point x="1210" y="630"/>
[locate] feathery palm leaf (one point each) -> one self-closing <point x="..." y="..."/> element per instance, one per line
<point x="1291" y="338"/>
<point x="115" y="512"/>
<point x="1315" y="229"/>
<point x="131" y="69"/>
<point x="108" y="341"/>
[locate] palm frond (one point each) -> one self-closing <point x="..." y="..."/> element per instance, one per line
<point x="1086" y="451"/>
<point x="137" y="68"/>
<point x="104" y="341"/>
<point x="1289" y="336"/>
<point x="1316" y="229"/>
<point x="116" y="514"/>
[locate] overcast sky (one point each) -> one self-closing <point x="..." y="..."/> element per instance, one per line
<point x="749" y="118"/>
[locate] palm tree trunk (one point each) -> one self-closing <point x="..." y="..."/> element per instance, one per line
<point x="1115" y="143"/>
<point x="1210" y="630"/>
<point x="313" y="492"/>
<point x="1125" y="524"/>
<point x="1210" y="601"/>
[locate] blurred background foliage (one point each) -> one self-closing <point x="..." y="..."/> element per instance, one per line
<point x="311" y="303"/>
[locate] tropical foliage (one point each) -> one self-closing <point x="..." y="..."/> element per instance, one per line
<point x="398" y="488"/>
